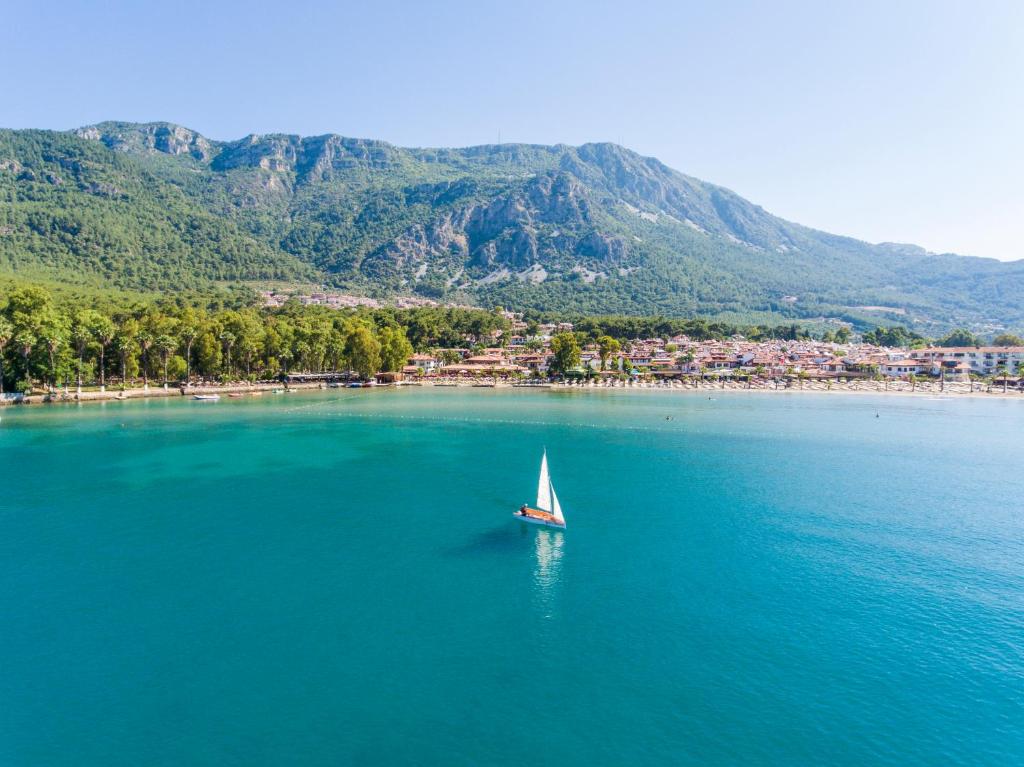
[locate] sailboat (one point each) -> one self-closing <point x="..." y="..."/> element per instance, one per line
<point x="548" y="510"/>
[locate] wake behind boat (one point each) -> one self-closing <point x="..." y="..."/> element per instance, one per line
<point x="548" y="511"/>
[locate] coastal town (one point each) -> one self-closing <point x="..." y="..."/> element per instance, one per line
<point x="52" y="352"/>
<point x="680" y="360"/>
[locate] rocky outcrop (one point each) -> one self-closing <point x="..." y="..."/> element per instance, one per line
<point x="166" y="138"/>
<point x="311" y="159"/>
<point x="546" y="217"/>
<point x="605" y="248"/>
<point x="275" y="153"/>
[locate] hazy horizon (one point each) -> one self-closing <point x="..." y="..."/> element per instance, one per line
<point x="879" y="123"/>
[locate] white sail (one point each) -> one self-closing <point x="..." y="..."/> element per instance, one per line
<point x="544" y="486"/>
<point x="556" y="507"/>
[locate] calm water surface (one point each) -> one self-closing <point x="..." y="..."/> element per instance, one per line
<point x="336" y="578"/>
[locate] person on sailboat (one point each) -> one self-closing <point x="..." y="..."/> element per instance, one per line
<point x="522" y="510"/>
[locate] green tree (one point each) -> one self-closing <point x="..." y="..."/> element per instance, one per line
<point x="566" y="353"/>
<point x="606" y="347"/>
<point x="1007" y="339"/>
<point x="53" y="334"/>
<point x="125" y="343"/>
<point x="1004" y="373"/>
<point x="228" y="339"/>
<point x="176" y="368"/>
<point x="145" y="340"/>
<point x="188" y="331"/>
<point x="395" y="348"/>
<point x="959" y="337"/>
<point x="103" y="330"/>
<point x="6" y="335"/>
<point x="362" y="350"/>
<point x="82" y="336"/>
<point x="165" y="345"/>
<point x="26" y="342"/>
<point x="208" y="354"/>
<point x="36" y="324"/>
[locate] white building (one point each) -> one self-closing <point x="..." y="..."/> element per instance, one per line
<point x="982" y="360"/>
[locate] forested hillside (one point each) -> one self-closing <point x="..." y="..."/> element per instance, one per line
<point x="594" y="228"/>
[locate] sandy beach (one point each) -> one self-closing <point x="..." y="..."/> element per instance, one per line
<point x="895" y="388"/>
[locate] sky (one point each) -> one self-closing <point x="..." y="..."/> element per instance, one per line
<point x="889" y="121"/>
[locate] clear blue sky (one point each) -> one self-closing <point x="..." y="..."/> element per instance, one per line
<point x="898" y="120"/>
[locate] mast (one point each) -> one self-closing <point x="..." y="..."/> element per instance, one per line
<point x="544" y="485"/>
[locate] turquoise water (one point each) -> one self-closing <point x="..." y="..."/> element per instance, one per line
<point x="336" y="578"/>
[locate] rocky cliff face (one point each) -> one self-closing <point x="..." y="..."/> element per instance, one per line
<point x="311" y="159"/>
<point x="547" y="217"/>
<point x="496" y="220"/>
<point x="165" y="138"/>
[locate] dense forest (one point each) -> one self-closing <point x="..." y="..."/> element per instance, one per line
<point x="595" y="229"/>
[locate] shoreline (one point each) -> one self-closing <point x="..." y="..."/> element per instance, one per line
<point x="62" y="397"/>
<point x="926" y="390"/>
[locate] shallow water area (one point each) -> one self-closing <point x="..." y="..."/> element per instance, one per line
<point x="336" y="578"/>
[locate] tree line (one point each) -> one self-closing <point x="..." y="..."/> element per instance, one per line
<point x="46" y="342"/>
<point x="96" y="341"/>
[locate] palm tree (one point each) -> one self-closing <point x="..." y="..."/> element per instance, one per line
<point x="26" y="342"/>
<point x="6" y="334"/>
<point x="188" y="334"/>
<point x="1002" y="372"/>
<point x="124" y="345"/>
<point x="81" y="334"/>
<point x="53" y="338"/>
<point x="165" y="344"/>
<point x="145" y="339"/>
<point x="103" y="329"/>
<point x="229" y="340"/>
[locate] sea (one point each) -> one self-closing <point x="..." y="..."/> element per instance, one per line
<point x="337" y="578"/>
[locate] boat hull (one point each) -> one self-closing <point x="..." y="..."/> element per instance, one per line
<point x="538" y="521"/>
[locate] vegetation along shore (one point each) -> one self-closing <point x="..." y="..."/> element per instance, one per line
<point x="99" y="348"/>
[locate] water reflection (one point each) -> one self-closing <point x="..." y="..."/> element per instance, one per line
<point x="548" y="569"/>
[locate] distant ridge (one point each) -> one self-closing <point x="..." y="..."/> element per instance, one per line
<point x="595" y="228"/>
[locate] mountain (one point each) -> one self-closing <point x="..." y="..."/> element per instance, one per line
<point x="594" y="228"/>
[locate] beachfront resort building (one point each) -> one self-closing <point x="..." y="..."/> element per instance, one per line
<point x="979" y="360"/>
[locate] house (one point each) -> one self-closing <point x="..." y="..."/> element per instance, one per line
<point x="425" y="362"/>
<point x="901" y="368"/>
<point x="832" y="365"/>
<point x="538" y="363"/>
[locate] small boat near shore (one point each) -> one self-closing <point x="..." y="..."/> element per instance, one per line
<point x="206" y="397"/>
<point x="548" y="510"/>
